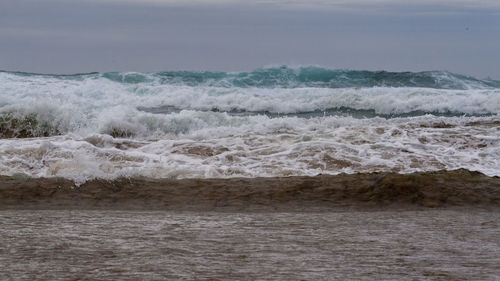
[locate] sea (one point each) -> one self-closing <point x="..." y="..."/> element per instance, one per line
<point x="275" y="121"/>
<point x="280" y="173"/>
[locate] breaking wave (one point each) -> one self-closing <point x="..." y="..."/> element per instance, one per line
<point x="270" y="122"/>
<point x="291" y="77"/>
<point x="130" y="104"/>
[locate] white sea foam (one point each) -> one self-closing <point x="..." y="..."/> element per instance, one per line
<point x="94" y="104"/>
<point x="261" y="146"/>
<point x="174" y="130"/>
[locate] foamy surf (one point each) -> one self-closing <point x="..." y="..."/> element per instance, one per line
<point x="271" y="122"/>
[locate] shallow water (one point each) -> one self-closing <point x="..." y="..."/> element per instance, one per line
<point x="130" y="245"/>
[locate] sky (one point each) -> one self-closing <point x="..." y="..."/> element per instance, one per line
<point x="63" y="36"/>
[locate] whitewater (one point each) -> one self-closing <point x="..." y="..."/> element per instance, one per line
<point x="270" y="122"/>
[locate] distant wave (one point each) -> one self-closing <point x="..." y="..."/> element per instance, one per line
<point x="291" y="77"/>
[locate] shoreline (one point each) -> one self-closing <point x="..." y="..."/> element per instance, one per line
<point x="370" y="191"/>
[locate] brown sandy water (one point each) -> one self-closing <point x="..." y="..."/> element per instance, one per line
<point x="382" y="226"/>
<point x="318" y="193"/>
<point x="166" y="245"/>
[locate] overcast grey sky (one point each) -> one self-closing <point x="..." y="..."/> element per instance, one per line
<point x="56" y="36"/>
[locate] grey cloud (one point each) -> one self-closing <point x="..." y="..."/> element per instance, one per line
<point x="58" y="36"/>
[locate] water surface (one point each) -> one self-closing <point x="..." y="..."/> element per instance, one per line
<point x="130" y="245"/>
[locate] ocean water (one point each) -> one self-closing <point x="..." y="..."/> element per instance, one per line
<point x="270" y="122"/>
<point x="132" y="245"/>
